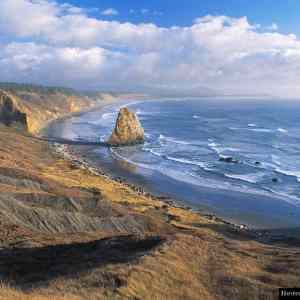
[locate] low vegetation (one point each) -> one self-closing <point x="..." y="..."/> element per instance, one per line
<point x="67" y="233"/>
<point x="32" y="88"/>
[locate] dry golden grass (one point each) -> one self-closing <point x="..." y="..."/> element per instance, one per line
<point x="201" y="258"/>
<point x="9" y="293"/>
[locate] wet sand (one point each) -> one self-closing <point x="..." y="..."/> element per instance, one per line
<point x="121" y="171"/>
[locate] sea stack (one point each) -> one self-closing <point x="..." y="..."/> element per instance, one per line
<point x="128" y="129"/>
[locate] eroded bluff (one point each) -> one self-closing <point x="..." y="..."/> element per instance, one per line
<point x="10" y="112"/>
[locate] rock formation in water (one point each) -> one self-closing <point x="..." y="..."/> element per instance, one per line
<point x="10" y="113"/>
<point x="228" y="159"/>
<point x="128" y="129"/>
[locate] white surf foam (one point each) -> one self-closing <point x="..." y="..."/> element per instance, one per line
<point x="260" y="129"/>
<point x="188" y="162"/>
<point x="251" y="178"/>
<point x="203" y="165"/>
<point x="219" y="149"/>
<point x="105" y="119"/>
<point x="154" y="152"/>
<point x="282" y="130"/>
<point x="106" y="116"/>
<point x="289" y="173"/>
<point x="119" y="156"/>
<point x="276" y="159"/>
<point x="189" y="177"/>
<point x="173" y="140"/>
<point x="215" y="147"/>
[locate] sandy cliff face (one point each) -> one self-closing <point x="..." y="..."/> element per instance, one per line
<point x="66" y="233"/>
<point x="37" y="106"/>
<point x="42" y="108"/>
<point x="33" y="109"/>
<point x="10" y="112"/>
<point x="128" y="129"/>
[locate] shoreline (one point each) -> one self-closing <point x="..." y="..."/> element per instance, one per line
<point x="42" y="132"/>
<point x="78" y="161"/>
<point x="268" y="236"/>
<point x="259" y="235"/>
<point x="65" y="152"/>
<point x="80" y="222"/>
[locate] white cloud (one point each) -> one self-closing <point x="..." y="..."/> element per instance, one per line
<point x="72" y="9"/>
<point x="272" y="27"/>
<point x="110" y="12"/>
<point x="59" y="44"/>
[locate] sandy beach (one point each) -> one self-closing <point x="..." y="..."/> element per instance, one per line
<point x="149" y="150"/>
<point x="80" y="157"/>
<point x="69" y="226"/>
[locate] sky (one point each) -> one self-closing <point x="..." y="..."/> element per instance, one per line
<point x="182" y="13"/>
<point x="194" y="47"/>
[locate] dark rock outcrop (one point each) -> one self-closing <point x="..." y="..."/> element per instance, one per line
<point x="10" y="113"/>
<point x="128" y="129"/>
<point x="228" y="159"/>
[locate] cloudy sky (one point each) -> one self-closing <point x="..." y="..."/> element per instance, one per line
<point x="178" y="46"/>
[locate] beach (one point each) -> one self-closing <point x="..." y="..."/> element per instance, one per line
<point x="252" y="207"/>
<point x="149" y="150"/>
<point x="124" y="172"/>
<point x="97" y="233"/>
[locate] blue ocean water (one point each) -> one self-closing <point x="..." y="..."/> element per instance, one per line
<point x="187" y="141"/>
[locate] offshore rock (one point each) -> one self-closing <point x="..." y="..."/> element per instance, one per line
<point x="228" y="159"/>
<point x="128" y="129"/>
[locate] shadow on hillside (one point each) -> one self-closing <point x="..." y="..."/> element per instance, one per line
<point x="25" y="267"/>
<point x="289" y="237"/>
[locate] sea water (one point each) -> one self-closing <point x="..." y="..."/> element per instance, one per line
<point x="188" y="141"/>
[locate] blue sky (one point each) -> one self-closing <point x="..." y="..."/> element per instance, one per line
<point x="285" y="13"/>
<point x="171" y="47"/>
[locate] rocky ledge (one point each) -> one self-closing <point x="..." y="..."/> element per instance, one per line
<point x="10" y="112"/>
<point x="128" y="129"/>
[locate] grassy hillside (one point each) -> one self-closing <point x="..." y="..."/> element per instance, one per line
<point x="44" y="104"/>
<point x="69" y="233"/>
<point x="32" y="88"/>
<point x="41" y="104"/>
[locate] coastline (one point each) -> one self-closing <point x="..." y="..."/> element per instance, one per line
<point x="45" y="128"/>
<point x="98" y="235"/>
<point x="78" y="160"/>
<point x="261" y="235"/>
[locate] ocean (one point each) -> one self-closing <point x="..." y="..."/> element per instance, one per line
<point x="237" y="158"/>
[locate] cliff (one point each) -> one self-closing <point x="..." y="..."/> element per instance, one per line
<point x="10" y="112"/>
<point x="43" y="106"/>
<point x="35" y="106"/>
<point x="128" y="129"/>
<point x="68" y="232"/>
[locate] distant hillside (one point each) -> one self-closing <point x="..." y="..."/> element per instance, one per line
<point x="42" y="104"/>
<point x="22" y="87"/>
